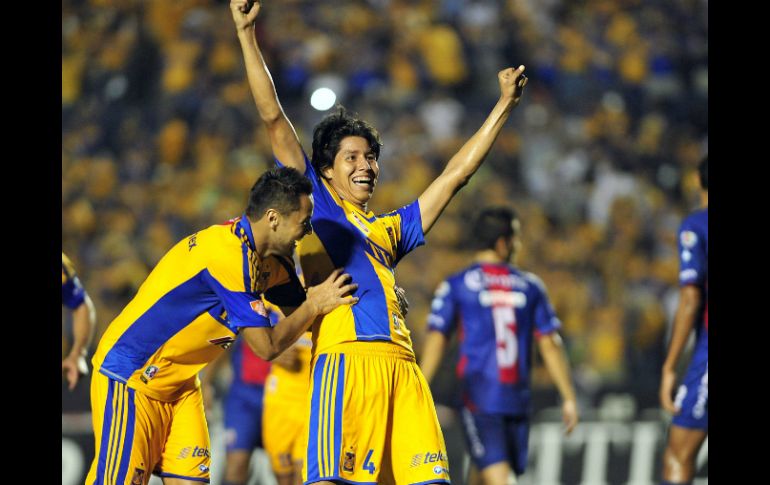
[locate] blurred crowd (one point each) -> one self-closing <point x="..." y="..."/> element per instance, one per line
<point x="160" y="137"/>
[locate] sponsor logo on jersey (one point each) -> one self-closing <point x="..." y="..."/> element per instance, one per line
<point x="688" y="274"/>
<point x="440" y="470"/>
<point x="478" y="280"/>
<point x="416" y="460"/>
<point x="515" y="299"/>
<point x="203" y="468"/>
<point x="360" y="224"/>
<point x="686" y="256"/>
<point x="192" y="241"/>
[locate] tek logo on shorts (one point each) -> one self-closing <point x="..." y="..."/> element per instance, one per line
<point x="190" y="452"/>
<point x="425" y="458"/>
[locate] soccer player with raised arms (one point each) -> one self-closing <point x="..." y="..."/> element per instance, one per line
<point x="372" y="417"/>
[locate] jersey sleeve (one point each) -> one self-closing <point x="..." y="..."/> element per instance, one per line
<point x="545" y="318"/>
<point x="229" y="281"/>
<point x="72" y="292"/>
<point x="407" y="222"/>
<point x="692" y="255"/>
<point x="443" y="310"/>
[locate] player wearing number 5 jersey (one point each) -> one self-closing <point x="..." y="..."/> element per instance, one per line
<point x="496" y="311"/>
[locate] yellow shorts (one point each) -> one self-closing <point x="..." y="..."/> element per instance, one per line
<point x="372" y="419"/>
<point x="283" y="420"/>
<point x="137" y="435"/>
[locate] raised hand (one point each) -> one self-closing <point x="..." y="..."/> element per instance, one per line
<point x="512" y="82"/>
<point x="244" y="12"/>
<point x="330" y="294"/>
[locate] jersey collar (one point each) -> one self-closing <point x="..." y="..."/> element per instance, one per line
<point x="244" y="228"/>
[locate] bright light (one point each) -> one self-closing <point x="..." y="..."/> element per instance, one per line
<point x="323" y="99"/>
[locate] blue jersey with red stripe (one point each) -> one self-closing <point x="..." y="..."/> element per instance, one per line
<point x="248" y="369"/>
<point x="694" y="266"/>
<point x="496" y="310"/>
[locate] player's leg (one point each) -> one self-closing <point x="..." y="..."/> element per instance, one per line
<point x="186" y="457"/>
<point x="243" y="432"/>
<point x="349" y="396"/>
<point x="284" y="420"/>
<point x="689" y="428"/>
<point x="418" y="452"/>
<point x="487" y="438"/>
<point x="128" y="432"/>
<point x="680" y="454"/>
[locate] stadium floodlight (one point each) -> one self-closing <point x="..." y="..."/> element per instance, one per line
<point x="323" y="99"/>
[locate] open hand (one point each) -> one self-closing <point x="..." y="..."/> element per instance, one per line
<point x="332" y="293"/>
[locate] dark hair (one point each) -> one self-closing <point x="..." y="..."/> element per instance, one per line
<point x="703" y="171"/>
<point x="491" y="224"/>
<point x="328" y="134"/>
<point x="279" y="189"/>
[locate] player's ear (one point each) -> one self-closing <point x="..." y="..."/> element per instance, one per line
<point x="273" y="218"/>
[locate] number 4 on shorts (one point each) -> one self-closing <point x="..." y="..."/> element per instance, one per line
<point x="368" y="465"/>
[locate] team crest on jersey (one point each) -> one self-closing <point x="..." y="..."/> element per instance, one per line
<point x="350" y="462"/>
<point x="223" y="342"/>
<point x="688" y="238"/>
<point x="360" y="224"/>
<point x="138" y="477"/>
<point x="149" y="373"/>
<point x="258" y="307"/>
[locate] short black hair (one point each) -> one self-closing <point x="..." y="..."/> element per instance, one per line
<point x="279" y="189"/>
<point x="330" y="131"/>
<point x="703" y="171"/>
<point x="491" y="224"/>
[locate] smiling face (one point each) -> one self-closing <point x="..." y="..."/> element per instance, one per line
<point x="354" y="172"/>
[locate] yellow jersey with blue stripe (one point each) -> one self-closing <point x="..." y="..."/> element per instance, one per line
<point x="369" y="247"/>
<point x="191" y="307"/>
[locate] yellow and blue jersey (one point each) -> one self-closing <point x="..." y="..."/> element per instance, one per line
<point x="72" y="292"/>
<point x="191" y="307"/>
<point x="369" y="247"/>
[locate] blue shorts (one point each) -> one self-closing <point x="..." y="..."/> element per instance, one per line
<point x="692" y="398"/>
<point x="243" y="417"/>
<point x="494" y="438"/>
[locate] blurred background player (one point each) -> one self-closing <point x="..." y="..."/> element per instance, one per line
<point x="371" y="410"/>
<point x="147" y="406"/>
<point x="74" y="297"/>
<point x="496" y="310"/>
<point x="243" y="402"/>
<point x="689" y="426"/>
<point x="285" y="411"/>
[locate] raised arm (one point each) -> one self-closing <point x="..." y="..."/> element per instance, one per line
<point x="283" y="138"/>
<point x="469" y="158"/>
<point x="689" y="303"/>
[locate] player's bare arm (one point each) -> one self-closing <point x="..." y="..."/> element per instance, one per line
<point x="283" y="138"/>
<point x="469" y="158"/>
<point x="269" y="342"/>
<point x="83" y="325"/>
<point x="686" y="313"/>
<point x="555" y="359"/>
<point x="432" y="353"/>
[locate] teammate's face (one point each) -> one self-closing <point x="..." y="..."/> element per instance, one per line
<point x="294" y="226"/>
<point x="354" y="172"/>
